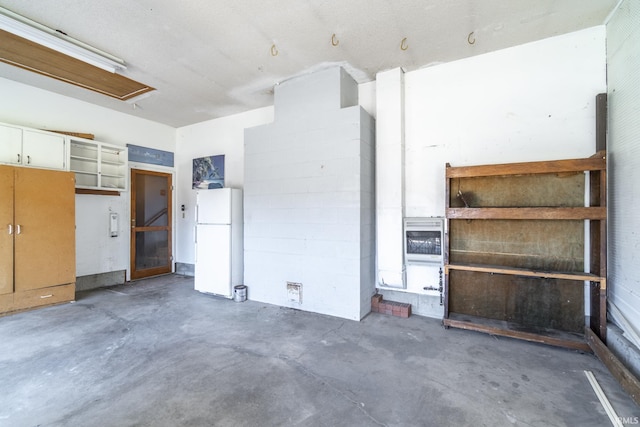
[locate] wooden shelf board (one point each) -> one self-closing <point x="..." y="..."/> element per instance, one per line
<point x="526" y="168"/>
<point x="83" y="145"/>
<point x="98" y="192"/>
<point x="87" y="159"/>
<point x="113" y="162"/>
<point x="511" y="330"/>
<point x="543" y="213"/>
<point x="514" y="271"/>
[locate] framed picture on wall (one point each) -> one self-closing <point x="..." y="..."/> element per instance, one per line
<point x="208" y="172"/>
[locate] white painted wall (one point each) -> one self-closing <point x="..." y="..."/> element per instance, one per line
<point x="530" y="102"/>
<point x="623" y="153"/>
<point x="213" y="137"/>
<point x="367" y="97"/>
<point x="29" y="106"/>
<point x="390" y="178"/>
<point x="527" y="103"/>
<point x="96" y="251"/>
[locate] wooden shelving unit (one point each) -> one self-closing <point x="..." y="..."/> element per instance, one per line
<point x="515" y="249"/>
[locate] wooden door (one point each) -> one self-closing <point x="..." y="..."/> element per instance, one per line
<point x="6" y="229"/>
<point x="44" y="238"/>
<point x="151" y="223"/>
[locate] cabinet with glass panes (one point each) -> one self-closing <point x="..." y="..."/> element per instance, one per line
<point x="98" y="165"/>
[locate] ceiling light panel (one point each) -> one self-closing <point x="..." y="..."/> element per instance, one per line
<point x="29" y="45"/>
<point x="45" y="36"/>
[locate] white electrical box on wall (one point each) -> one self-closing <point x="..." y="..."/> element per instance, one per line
<point x="113" y="224"/>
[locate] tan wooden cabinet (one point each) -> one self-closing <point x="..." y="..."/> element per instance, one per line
<point x="37" y="238"/>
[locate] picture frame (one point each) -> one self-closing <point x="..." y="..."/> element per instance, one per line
<point x="208" y="172"/>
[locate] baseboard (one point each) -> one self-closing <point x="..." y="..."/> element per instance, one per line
<point x="101" y="280"/>
<point x="421" y="305"/>
<point x="185" y="269"/>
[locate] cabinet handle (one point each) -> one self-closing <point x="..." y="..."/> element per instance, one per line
<point x="19" y="158"/>
<point x="10" y="228"/>
<point x="18" y="229"/>
<point x="28" y="160"/>
<point x="46" y="296"/>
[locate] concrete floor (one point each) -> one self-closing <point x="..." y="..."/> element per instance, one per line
<point x="157" y="353"/>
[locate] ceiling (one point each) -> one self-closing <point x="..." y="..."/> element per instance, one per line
<point x="210" y="58"/>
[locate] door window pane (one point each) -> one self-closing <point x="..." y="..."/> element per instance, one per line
<point x="152" y="249"/>
<point x="151" y="201"/>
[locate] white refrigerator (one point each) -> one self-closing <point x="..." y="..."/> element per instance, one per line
<point x="218" y="237"/>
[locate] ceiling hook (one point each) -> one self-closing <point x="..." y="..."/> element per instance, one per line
<point x="334" y="41"/>
<point x="274" y="51"/>
<point x="403" y="44"/>
<point x="471" y="39"/>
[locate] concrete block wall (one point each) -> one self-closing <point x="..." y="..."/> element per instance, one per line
<point x="309" y="199"/>
<point x="367" y="212"/>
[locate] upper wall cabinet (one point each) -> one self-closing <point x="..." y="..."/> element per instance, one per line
<point x="98" y="165"/>
<point x="22" y="146"/>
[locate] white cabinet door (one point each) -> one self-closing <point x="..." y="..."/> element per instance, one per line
<point x="43" y="150"/>
<point x="10" y="145"/>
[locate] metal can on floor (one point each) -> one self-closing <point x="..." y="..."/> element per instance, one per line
<point x="240" y="293"/>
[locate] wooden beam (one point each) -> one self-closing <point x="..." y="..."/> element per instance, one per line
<point x="524" y="272"/>
<point x="578" y="213"/>
<point x="601" y="121"/>
<point x="97" y="192"/>
<point x="627" y="380"/>
<point x="527" y="336"/>
<point x="76" y="134"/>
<point x="555" y="166"/>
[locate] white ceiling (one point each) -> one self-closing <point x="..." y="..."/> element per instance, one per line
<point x="211" y="58"/>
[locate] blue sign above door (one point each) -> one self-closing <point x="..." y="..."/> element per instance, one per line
<point x="138" y="154"/>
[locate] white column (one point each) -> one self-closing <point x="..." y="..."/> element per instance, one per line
<point x="390" y="177"/>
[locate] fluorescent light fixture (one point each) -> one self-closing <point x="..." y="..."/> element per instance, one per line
<point x="45" y="36"/>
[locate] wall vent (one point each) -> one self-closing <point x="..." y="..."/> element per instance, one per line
<point x="294" y="292"/>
